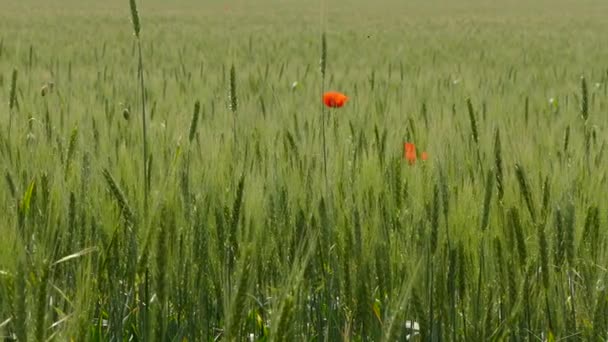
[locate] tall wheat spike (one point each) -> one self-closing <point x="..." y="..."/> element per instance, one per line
<point x="569" y="233"/>
<point x="12" y="102"/>
<point x="498" y="165"/>
<point x="544" y="212"/>
<point x="323" y="113"/>
<point x="194" y="122"/>
<point x="474" y="132"/>
<point x="591" y="233"/>
<point x="140" y="71"/>
<point x="11" y="184"/>
<point x="585" y="116"/>
<point x="515" y="224"/>
<point x="120" y="198"/>
<point x="584" y="100"/>
<point x="525" y="190"/>
<point x="71" y="151"/>
<point x="566" y="141"/>
<point x="487" y="200"/>
<point x="233" y="101"/>
<point x="435" y="219"/>
<point x="559" y="251"/>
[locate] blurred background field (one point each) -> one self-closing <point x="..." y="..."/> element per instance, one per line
<point x="243" y="241"/>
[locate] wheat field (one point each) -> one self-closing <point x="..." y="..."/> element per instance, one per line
<point x="242" y="209"/>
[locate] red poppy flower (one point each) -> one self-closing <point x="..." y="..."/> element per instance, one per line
<point x="409" y="153"/>
<point x="424" y="156"/>
<point x="334" y="99"/>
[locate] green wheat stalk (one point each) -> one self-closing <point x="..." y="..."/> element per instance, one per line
<point x="462" y="285"/>
<point x="238" y="301"/>
<point x="161" y="274"/>
<point x="482" y="246"/>
<point x="445" y="204"/>
<point x="543" y="250"/>
<point x="21" y="313"/>
<point x="395" y="322"/>
<point x="569" y="233"/>
<point x="526" y="109"/>
<point x="451" y="288"/>
<point x="41" y="303"/>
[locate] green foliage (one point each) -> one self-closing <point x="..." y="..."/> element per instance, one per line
<point x="499" y="235"/>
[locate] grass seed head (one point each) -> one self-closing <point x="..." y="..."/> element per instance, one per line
<point x="13" y="94"/>
<point x="323" y="54"/>
<point x="498" y="165"/>
<point x="474" y="131"/>
<point x="135" y="18"/>
<point x="194" y="122"/>
<point x="233" y="99"/>
<point x="584" y="99"/>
